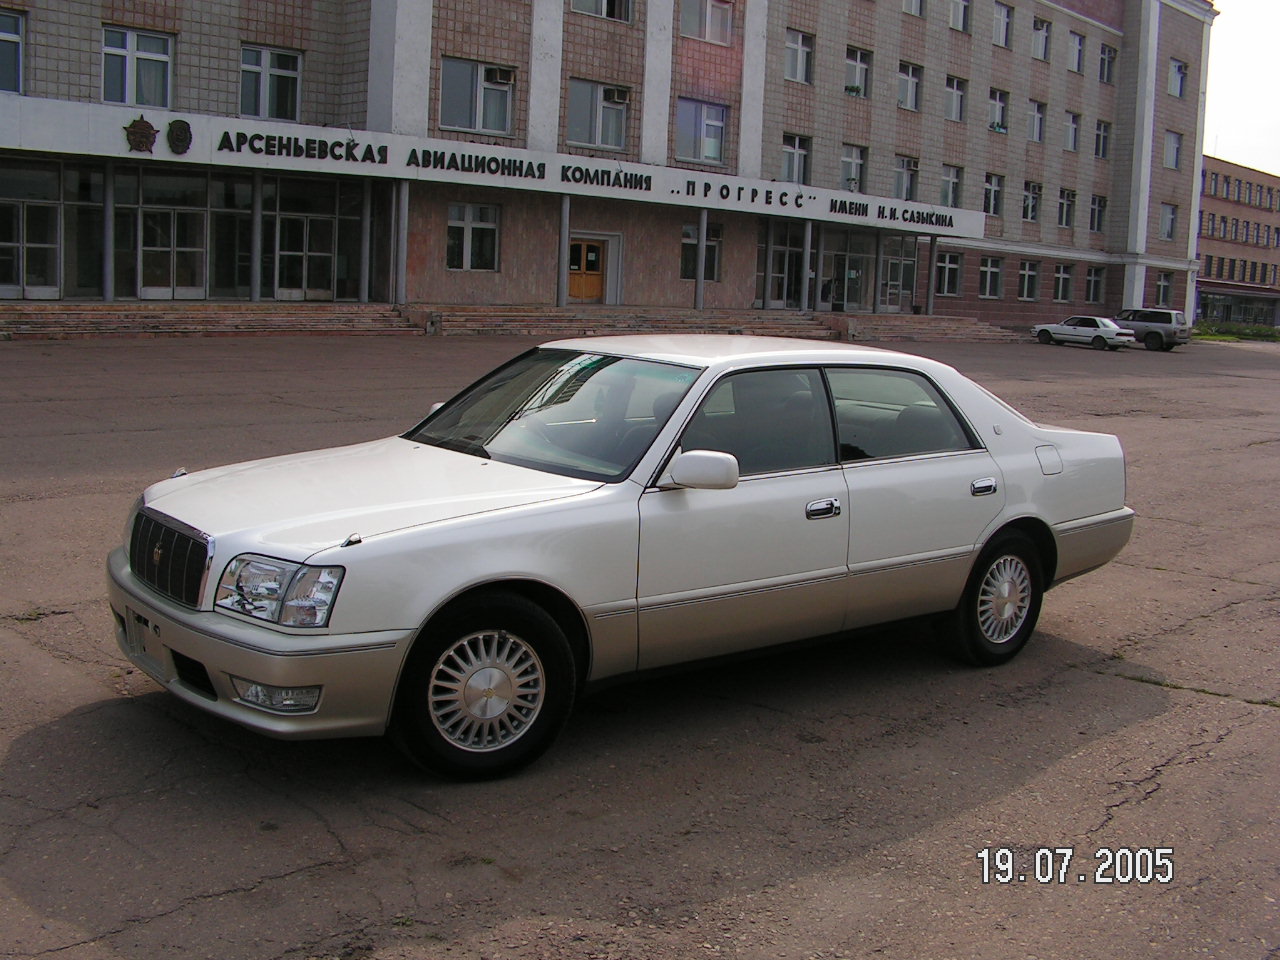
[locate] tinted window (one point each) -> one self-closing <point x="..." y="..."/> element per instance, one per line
<point x="892" y="413"/>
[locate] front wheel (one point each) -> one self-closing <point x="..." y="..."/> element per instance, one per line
<point x="1153" y="341"/>
<point x="1001" y="602"/>
<point x="1044" y="336"/>
<point x="487" y="688"/>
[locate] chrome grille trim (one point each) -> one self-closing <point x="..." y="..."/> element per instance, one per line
<point x="169" y="556"/>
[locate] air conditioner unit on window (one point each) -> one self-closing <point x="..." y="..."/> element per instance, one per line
<point x="504" y="76"/>
<point x="616" y="95"/>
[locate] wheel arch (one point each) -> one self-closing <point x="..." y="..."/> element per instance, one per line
<point x="1038" y="532"/>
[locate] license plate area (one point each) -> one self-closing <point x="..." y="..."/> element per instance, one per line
<point x="142" y="639"/>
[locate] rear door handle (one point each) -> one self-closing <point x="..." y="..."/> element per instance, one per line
<point x="984" y="487"/>
<point x="820" y="509"/>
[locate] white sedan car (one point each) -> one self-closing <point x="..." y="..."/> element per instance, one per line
<point x="596" y="508"/>
<point x="1101" y="333"/>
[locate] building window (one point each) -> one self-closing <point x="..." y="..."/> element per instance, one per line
<point x="906" y="176"/>
<point x="1040" y="38"/>
<point x="1172" y="149"/>
<point x="1075" y="52"/>
<point x="1028" y="280"/>
<point x="709" y="20"/>
<point x="1177" y="78"/>
<point x="853" y="167"/>
<point x="993" y="195"/>
<point x="270" y="81"/>
<point x="998" y="110"/>
<point x="1213" y="184"/>
<point x="473" y="237"/>
<point x="947" y="281"/>
<point x="700" y="131"/>
<point x="10" y="52"/>
<point x="689" y="252"/>
<point x="795" y="158"/>
<point x="1102" y="140"/>
<point x="952" y="183"/>
<point x="960" y="15"/>
<point x="1066" y="208"/>
<point x="1168" y="221"/>
<point x="1097" y="213"/>
<point x="1235" y="227"/>
<point x="1164" y="288"/>
<point x="913" y="7"/>
<point x="857" y="72"/>
<point x="135" y="67"/>
<point x="597" y="114"/>
<point x="612" y="9"/>
<point x="957" y="88"/>
<point x="1071" y="139"/>
<point x="799" y="64"/>
<point x="1002" y="27"/>
<point x="909" y="75"/>
<point x="989" y="277"/>
<point x="1211" y="226"/>
<point x="1107" y="64"/>
<point x="1062" y="283"/>
<point x="1035" y="121"/>
<point x="1094" y="284"/>
<point x="1031" y="194"/>
<point x="475" y="96"/>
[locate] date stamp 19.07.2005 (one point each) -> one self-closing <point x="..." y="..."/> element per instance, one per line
<point x="1140" y="865"/>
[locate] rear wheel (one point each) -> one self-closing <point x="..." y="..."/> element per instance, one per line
<point x="1001" y="602"/>
<point x="1098" y="343"/>
<point x="1153" y="341"/>
<point x="487" y="689"/>
<point x="1044" y="336"/>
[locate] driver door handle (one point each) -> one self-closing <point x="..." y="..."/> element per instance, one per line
<point x="820" y="509"/>
<point x="984" y="487"/>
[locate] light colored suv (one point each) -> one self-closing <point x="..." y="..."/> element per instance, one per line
<point x="1156" y="328"/>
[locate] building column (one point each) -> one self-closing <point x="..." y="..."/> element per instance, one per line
<point x="1146" y="48"/>
<point x="879" y="272"/>
<point x="546" y="61"/>
<point x="929" y="302"/>
<point x="109" y="233"/>
<point x="751" y="113"/>
<point x="399" y="66"/>
<point x="805" y="269"/>
<point x="655" y="120"/>
<point x="562" y="265"/>
<point x="366" y="235"/>
<point x="255" y="241"/>
<point x="402" y="241"/>
<point x="700" y="280"/>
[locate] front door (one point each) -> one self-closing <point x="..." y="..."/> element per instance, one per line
<point x="586" y="271"/>
<point x="173" y="254"/>
<point x="305" y="258"/>
<point x="28" y="250"/>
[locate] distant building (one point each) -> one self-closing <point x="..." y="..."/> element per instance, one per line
<point x="1010" y="160"/>
<point x="1239" y="244"/>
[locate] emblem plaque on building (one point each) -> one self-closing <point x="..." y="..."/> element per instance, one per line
<point x="141" y="135"/>
<point x="179" y="136"/>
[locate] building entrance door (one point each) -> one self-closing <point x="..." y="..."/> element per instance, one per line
<point x="305" y="258"/>
<point x="586" y="271"/>
<point x="898" y="274"/>
<point x="173" y="258"/>
<point x="28" y="251"/>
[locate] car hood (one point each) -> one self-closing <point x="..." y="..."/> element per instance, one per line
<point x="306" y="502"/>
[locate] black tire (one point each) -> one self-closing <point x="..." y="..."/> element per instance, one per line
<point x="1153" y="341"/>
<point x="487" y="689"/>
<point x="1098" y="343"/>
<point x="1001" y="602"/>
<point x="1044" y="336"/>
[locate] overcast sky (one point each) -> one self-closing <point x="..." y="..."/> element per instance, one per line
<point x="1242" y="122"/>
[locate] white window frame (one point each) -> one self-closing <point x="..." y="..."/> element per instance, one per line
<point x="1062" y="276"/>
<point x="1097" y="213"/>
<point x="853" y="168"/>
<point x="1032" y="198"/>
<point x="1028" y="280"/>
<point x="268" y="71"/>
<point x="14" y="38"/>
<point x="796" y="150"/>
<point x="603" y="114"/>
<point x="619" y="10"/>
<point x="798" y="65"/>
<point x="998" y="110"/>
<point x="910" y="78"/>
<point x="470" y="225"/>
<point x="947" y="275"/>
<point x="989" y="278"/>
<point x="857" y="72"/>
<point x="1178" y="78"/>
<point x="1102" y="140"/>
<point x="1071" y="138"/>
<point x="1041" y="38"/>
<point x="957" y="91"/>
<point x="709" y="120"/>
<point x="707" y="20"/>
<point x="1095" y="280"/>
<point x="1066" y="208"/>
<point x="1168" y="221"/>
<point x="1164" y="288"/>
<point x="482" y="93"/>
<point x="960" y="15"/>
<point x="1172" y="150"/>
<point x="993" y="195"/>
<point x="134" y="57"/>
<point x="1035" y="120"/>
<point x="1107" y="57"/>
<point x="1002" y="26"/>
<point x="1075" y="52"/>
<point x="906" y="176"/>
<point x="913" y="7"/>
<point x="711" y="262"/>
<point x="952" y="185"/>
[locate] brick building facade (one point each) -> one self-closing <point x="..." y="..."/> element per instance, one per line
<point x="1239" y="244"/>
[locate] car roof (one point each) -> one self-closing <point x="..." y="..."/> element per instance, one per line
<point x="706" y="350"/>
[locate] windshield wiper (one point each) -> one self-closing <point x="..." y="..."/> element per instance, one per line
<point x="468" y="444"/>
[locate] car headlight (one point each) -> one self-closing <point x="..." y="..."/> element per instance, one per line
<point x="290" y="594"/>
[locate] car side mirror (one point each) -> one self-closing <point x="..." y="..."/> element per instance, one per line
<point x="703" y="470"/>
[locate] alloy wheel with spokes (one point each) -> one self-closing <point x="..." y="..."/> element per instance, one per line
<point x="1004" y="599"/>
<point x="486" y="690"/>
<point x="1001" y="603"/>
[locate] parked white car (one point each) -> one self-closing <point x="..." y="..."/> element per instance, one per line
<point x="1101" y="333"/>
<point x="595" y="508"/>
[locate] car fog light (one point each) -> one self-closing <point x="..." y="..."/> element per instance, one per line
<point x="277" y="699"/>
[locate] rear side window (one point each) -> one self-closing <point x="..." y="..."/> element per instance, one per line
<point x="1153" y="316"/>
<point x="892" y="413"/>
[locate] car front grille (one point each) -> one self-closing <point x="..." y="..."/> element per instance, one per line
<point x="169" y="557"/>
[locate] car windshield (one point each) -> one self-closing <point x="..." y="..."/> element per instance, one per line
<point x="584" y="415"/>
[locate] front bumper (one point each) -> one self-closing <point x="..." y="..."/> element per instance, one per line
<point x="193" y="654"/>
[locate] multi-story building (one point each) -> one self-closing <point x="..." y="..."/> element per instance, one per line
<point x="1009" y="160"/>
<point x="1239" y="244"/>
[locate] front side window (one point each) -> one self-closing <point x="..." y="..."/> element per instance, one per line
<point x="1031" y="194"/>
<point x="472" y="240"/>
<point x="475" y="96"/>
<point x="993" y="195"/>
<point x="1062" y="282"/>
<point x="799" y="63"/>
<point x="1107" y="64"/>
<point x="857" y="72"/>
<point x="1002" y="26"/>
<point x="689" y="252"/>
<point x="1066" y="208"/>
<point x="710" y="20"/>
<point x="1102" y="140"/>
<point x="611" y="9"/>
<point x="998" y="110"/>
<point x="906" y="176"/>
<point x="957" y="90"/>
<point x="909" y="76"/>
<point x="270" y="81"/>
<point x="1028" y="280"/>
<point x="1040" y="38"/>
<point x="952" y="180"/>
<point x="853" y="167"/>
<point x="597" y="114"/>
<point x="947" y="283"/>
<point x="10" y="52"/>
<point x="795" y="158"/>
<point x="136" y="67"/>
<point x="892" y="413"/>
<point x="989" y="277"/>
<point x="700" y="131"/>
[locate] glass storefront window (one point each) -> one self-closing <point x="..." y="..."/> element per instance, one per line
<point x="25" y="182"/>
<point x="174" y="189"/>
<point x="230" y="192"/>
<point x="82" y="184"/>
<point x="307" y="196"/>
